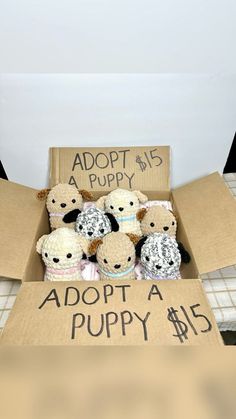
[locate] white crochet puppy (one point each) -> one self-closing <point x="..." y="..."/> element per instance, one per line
<point x="124" y="205"/>
<point x="62" y="251"/>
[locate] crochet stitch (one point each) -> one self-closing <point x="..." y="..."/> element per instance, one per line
<point x="124" y="205"/>
<point x="94" y="223"/>
<point x="157" y="219"/>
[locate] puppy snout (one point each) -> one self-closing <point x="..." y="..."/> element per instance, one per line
<point x="121" y="209"/>
<point x="90" y="233"/>
<point x="117" y="266"/>
<point x="63" y="205"/>
<point x="165" y="228"/>
<point x="55" y="260"/>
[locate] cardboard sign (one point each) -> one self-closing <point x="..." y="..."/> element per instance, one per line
<point x="103" y="169"/>
<point x="109" y="313"/>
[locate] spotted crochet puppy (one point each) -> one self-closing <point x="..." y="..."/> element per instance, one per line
<point x="115" y="254"/>
<point x="62" y="251"/>
<point x="94" y="223"/>
<point x="157" y="219"/>
<point x="124" y="205"/>
<point x="160" y="257"/>
<point x="64" y="202"/>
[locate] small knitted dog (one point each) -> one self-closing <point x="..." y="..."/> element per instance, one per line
<point x="94" y="223"/>
<point x="62" y="251"/>
<point x="115" y="254"/>
<point x="124" y="205"/>
<point x="160" y="257"/>
<point x="63" y="200"/>
<point x="157" y="219"/>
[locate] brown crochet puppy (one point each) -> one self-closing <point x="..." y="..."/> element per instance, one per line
<point x="157" y="219"/>
<point x="64" y="202"/>
<point x="115" y="254"/>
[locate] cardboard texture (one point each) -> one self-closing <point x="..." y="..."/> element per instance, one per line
<point x="23" y="219"/>
<point x="101" y="170"/>
<point x="112" y="313"/>
<point x="208" y="216"/>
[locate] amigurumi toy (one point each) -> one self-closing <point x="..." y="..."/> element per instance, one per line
<point x="94" y="223"/>
<point x="157" y="219"/>
<point x="115" y="254"/>
<point x="160" y="256"/>
<point x="63" y="202"/>
<point x="62" y="251"/>
<point x="124" y="205"/>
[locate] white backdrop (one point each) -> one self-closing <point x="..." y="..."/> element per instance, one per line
<point x="195" y="114"/>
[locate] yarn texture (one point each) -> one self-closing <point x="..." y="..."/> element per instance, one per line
<point x="157" y="219"/>
<point x="93" y="223"/>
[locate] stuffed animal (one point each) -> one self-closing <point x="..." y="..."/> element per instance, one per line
<point x="160" y="256"/>
<point x="94" y="223"/>
<point x="115" y="254"/>
<point x="62" y="251"/>
<point x="124" y="205"/>
<point x="157" y="219"/>
<point x="63" y="202"/>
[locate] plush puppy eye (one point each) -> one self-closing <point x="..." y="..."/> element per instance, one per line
<point x="129" y="258"/>
<point x="102" y="230"/>
<point x="131" y="203"/>
<point x="105" y="261"/>
<point x="171" y="263"/>
<point x="69" y="255"/>
<point x="73" y="201"/>
<point x="152" y="224"/>
<point x="53" y="201"/>
<point x="147" y="258"/>
<point x="46" y="255"/>
<point x="80" y="227"/>
<point x="173" y="223"/>
<point x="111" y="207"/>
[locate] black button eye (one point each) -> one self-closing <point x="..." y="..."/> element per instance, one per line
<point x="152" y="224"/>
<point x="53" y="201"/>
<point x="129" y="258"/>
<point x="105" y="261"/>
<point x="69" y="255"/>
<point x="173" y="223"/>
<point x="102" y="230"/>
<point x="171" y="263"/>
<point x="80" y="227"/>
<point x="147" y="258"/>
<point x="46" y="255"/>
<point x="131" y="203"/>
<point x="73" y="201"/>
<point x="111" y="207"/>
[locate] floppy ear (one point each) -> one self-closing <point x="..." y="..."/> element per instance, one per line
<point x="42" y="195"/>
<point x="39" y="244"/>
<point x="100" y="204"/>
<point x="141" y="197"/>
<point x="133" y="237"/>
<point x="93" y="246"/>
<point x="139" y="246"/>
<point x="114" y="223"/>
<point x="71" y="216"/>
<point x="185" y="256"/>
<point x="141" y="213"/>
<point x="88" y="196"/>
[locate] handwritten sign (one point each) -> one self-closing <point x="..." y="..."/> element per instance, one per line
<point x="98" y="313"/>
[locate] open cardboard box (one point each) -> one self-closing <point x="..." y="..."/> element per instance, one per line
<point x="206" y="226"/>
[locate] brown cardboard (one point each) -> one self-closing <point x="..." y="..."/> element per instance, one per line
<point x="103" y="169"/>
<point x="23" y="219"/>
<point x="59" y="314"/>
<point x="208" y="216"/>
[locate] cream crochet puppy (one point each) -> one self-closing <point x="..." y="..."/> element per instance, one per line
<point x="62" y="251"/>
<point x="124" y="205"/>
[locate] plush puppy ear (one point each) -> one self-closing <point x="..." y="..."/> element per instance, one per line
<point x="133" y="237"/>
<point x="100" y="204"/>
<point x="42" y="195"/>
<point x="40" y="242"/>
<point x="139" y="246"/>
<point x="92" y="258"/>
<point x="88" y="196"/>
<point x="185" y="256"/>
<point x="141" y="197"/>
<point x="93" y="246"/>
<point x="71" y="216"/>
<point x="141" y="213"/>
<point x="114" y="223"/>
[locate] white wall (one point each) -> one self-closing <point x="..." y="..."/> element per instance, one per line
<point x="195" y="114"/>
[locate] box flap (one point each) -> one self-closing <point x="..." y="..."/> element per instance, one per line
<point x="208" y="214"/>
<point x="23" y="219"/>
<point x="111" y="313"/>
<point x="105" y="168"/>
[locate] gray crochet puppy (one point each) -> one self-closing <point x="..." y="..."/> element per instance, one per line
<point x="94" y="223"/>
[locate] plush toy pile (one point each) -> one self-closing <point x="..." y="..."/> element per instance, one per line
<point x="114" y="238"/>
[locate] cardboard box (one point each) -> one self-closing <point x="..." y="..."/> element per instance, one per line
<point x="206" y="226"/>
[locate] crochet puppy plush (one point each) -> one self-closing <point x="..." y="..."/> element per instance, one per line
<point x="94" y="223"/>
<point x="124" y="205"/>
<point x="157" y="219"/>
<point x="63" y="203"/>
<point x="115" y="254"/>
<point x="62" y="251"/>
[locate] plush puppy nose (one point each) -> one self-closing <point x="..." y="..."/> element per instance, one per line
<point x="165" y="228"/>
<point x="117" y="266"/>
<point x="90" y="233"/>
<point x="121" y="209"/>
<point x="158" y="266"/>
<point x="63" y="205"/>
<point x="55" y="260"/>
